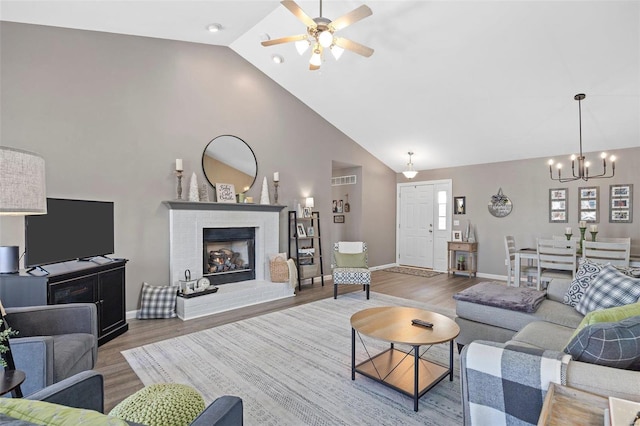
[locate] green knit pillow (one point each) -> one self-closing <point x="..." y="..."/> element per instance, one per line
<point x="350" y="260"/>
<point x="164" y="404"/>
<point x="615" y="314"/>
<point x="46" y="413"/>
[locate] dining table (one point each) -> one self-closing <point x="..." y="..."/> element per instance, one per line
<point x="531" y="254"/>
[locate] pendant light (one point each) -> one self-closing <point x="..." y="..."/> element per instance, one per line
<point x="410" y="173"/>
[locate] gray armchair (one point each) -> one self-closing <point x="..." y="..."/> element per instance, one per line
<point x="53" y="342"/>
<point x="86" y="390"/>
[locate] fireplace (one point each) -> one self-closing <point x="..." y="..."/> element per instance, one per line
<point x="228" y="254"/>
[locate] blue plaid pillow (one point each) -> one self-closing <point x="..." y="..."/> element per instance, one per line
<point x="587" y="271"/>
<point x="610" y="288"/>
<point x="157" y="302"/>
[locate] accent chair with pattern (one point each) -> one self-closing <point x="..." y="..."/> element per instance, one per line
<point x="349" y="265"/>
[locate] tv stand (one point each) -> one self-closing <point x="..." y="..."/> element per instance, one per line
<point x="74" y="282"/>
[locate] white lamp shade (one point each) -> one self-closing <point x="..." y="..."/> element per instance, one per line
<point x="409" y="174"/>
<point x="337" y="51"/>
<point x="309" y="202"/>
<point x="302" y="46"/>
<point x="22" y="183"/>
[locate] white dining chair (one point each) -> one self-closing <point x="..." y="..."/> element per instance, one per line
<point x="530" y="272"/>
<point x="556" y="259"/>
<point x="615" y="253"/>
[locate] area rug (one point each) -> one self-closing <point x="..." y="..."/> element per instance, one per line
<point x="293" y="367"/>
<point x="412" y="271"/>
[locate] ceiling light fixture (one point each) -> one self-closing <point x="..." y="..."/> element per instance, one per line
<point x="583" y="165"/>
<point x="214" y="28"/>
<point x="321" y="34"/>
<point x="410" y="173"/>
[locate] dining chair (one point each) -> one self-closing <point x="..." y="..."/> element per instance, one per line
<point x="349" y="265"/>
<point x="615" y="253"/>
<point x="525" y="270"/>
<point x="556" y="259"/>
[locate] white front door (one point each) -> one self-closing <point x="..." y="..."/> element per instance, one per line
<point x="424" y="224"/>
<point x="416" y="226"/>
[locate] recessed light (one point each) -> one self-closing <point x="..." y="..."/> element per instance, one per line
<point x="214" y="28"/>
<point x="265" y="37"/>
<point x="278" y="59"/>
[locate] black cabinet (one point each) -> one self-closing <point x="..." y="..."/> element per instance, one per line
<point x="74" y="282"/>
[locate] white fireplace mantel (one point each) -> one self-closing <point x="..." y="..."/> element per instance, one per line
<point x="186" y="223"/>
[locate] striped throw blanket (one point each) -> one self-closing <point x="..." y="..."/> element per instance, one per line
<point x="506" y="384"/>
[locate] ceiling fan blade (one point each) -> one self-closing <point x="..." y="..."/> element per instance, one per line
<point x="284" y="40"/>
<point x="352" y="17"/>
<point x="300" y="14"/>
<point x="353" y="46"/>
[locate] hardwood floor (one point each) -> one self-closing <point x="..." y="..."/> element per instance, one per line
<point x="121" y="381"/>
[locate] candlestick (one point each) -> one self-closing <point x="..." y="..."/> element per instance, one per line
<point x="275" y="191"/>
<point x="567" y="230"/>
<point x="583" y="224"/>
<point x="179" y="176"/>
<point x="593" y="228"/>
<point x="593" y="235"/>
<point x="582" y="231"/>
<point x="568" y="236"/>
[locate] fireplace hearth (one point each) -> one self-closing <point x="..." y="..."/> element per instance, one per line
<point x="229" y="254"/>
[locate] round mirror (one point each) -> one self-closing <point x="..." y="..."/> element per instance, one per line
<point x="228" y="159"/>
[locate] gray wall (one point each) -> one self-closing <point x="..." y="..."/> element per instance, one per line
<point x="111" y="113"/>
<point x="527" y="184"/>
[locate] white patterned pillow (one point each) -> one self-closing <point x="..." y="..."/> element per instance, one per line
<point x="157" y="302"/>
<point x="610" y="288"/>
<point x="587" y="271"/>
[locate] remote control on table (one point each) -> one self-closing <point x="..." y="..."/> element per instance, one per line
<point x="421" y="323"/>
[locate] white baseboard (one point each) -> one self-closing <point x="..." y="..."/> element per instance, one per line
<point x="132" y="314"/>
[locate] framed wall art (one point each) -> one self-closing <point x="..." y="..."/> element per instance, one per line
<point x="339" y="218"/>
<point x="621" y="203"/>
<point x="456" y="236"/>
<point x="588" y="204"/>
<point x="559" y="205"/>
<point x="459" y="205"/>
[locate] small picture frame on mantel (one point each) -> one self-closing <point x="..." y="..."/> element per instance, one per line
<point x="225" y="193"/>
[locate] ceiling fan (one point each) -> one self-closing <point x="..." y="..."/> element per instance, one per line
<point x="321" y="34"/>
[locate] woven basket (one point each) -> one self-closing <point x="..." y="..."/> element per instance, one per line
<point x="279" y="270"/>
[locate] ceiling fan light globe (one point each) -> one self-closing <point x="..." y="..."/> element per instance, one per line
<point x="302" y="46"/>
<point x="337" y="51"/>
<point x="316" y="58"/>
<point x="325" y="38"/>
<point x="409" y="174"/>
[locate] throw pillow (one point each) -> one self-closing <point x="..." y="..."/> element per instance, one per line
<point x="40" y="412"/>
<point x="157" y="302"/>
<point x="608" y="315"/>
<point x="351" y="260"/>
<point x="628" y="270"/>
<point x="587" y="271"/>
<point x="610" y="288"/>
<point x="613" y="344"/>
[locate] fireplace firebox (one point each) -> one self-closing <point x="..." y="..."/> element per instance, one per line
<point x="228" y="254"/>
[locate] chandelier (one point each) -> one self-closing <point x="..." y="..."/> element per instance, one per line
<point x="410" y="173"/>
<point x="581" y="170"/>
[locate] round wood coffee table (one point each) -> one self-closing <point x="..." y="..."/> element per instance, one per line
<point x="413" y="376"/>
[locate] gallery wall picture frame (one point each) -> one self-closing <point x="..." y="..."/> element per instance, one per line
<point x="621" y="203"/>
<point x="339" y="218"/>
<point x="459" y="205"/>
<point x="589" y="204"/>
<point x="559" y="205"/>
<point x="456" y="235"/>
<point x="225" y="193"/>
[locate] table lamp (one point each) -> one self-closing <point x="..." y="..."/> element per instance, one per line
<point x="22" y="192"/>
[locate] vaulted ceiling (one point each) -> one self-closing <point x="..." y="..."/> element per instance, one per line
<point x="456" y="82"/>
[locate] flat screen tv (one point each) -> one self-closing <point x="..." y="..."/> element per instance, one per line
<point x="71" y="229"/>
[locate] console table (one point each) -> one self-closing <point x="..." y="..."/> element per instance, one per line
<point x="74" y="282"/>
<point x="470" y="250"/>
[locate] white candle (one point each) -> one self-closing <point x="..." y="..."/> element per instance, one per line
<point x="594" y="228"/>
<point x="276" y="176"/>
<point x="179" y="164"/>
<point x="583" y="224"/>
<point x="567" y="230"/>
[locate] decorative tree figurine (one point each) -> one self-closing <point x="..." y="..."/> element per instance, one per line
<point x="193" y="188"/>
<point x="264" y="197"/>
